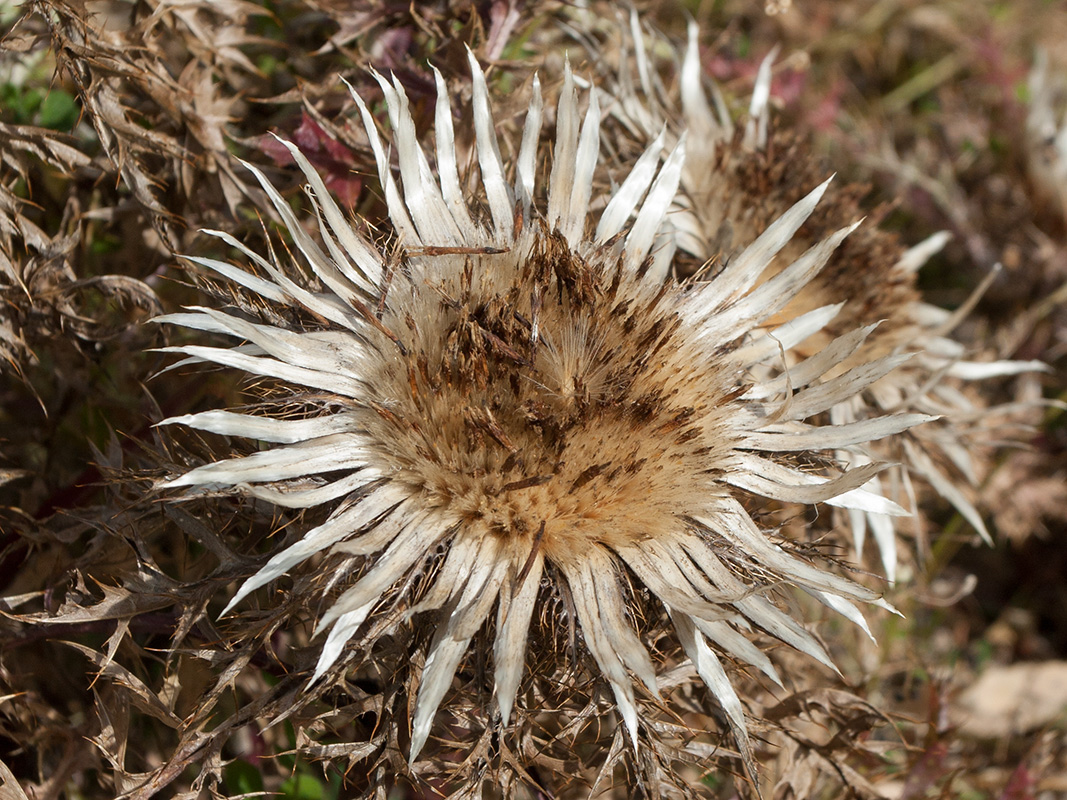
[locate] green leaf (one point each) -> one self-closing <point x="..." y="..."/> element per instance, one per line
<point x="303" y="787"/>
<point x="21" y="103"/>
<point x="59" y="111"/>
<point x="241" y="777"/>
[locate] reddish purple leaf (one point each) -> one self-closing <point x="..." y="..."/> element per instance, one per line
<point x="1021" y="785"/>
<point x="333" y="160"/>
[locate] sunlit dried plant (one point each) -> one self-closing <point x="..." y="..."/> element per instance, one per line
<point x="517" y="400"/>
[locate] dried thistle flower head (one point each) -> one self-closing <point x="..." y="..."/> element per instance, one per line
<point x="737" y="180"/>
<point x="524" y="402"/>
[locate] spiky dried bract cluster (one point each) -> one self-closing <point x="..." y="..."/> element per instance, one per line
<point x="527" y="391"/>
<point x="739" y="178"/>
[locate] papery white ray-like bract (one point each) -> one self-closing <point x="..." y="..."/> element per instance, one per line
<point x="529" y="398"/>
<point x="1046" y="132"/>
<point x="719" y="214"/>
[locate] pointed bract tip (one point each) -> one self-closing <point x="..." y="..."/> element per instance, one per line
<point x="814" y="197"/>
<point x="505" y="711"/>
<point x="420" y="733"/>
<point x="884" y="604"/>
<point x="476" y="67"/>
<point x="229" y="606"/>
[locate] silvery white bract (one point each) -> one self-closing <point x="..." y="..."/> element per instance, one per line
<point x="531" y="399"/>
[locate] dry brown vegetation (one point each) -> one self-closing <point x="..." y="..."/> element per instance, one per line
<point x="121" y="126"/>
